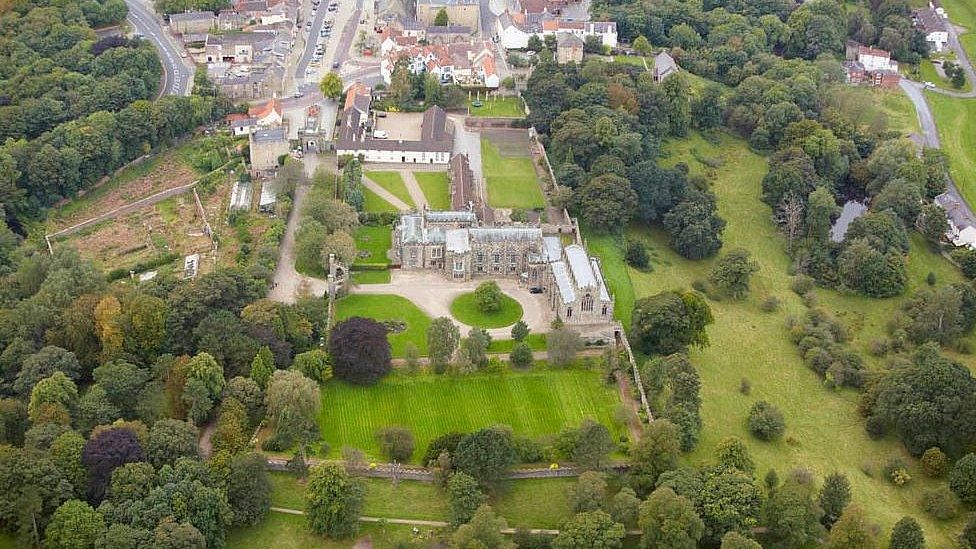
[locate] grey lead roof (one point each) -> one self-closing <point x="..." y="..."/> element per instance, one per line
<point x="579" y="264"/>
<point x="449" y="216"/>
<point x="561" y="276"/>
<point x="552" y="249"/>
<point x="505" y="234"/>
<point x="604" y="294"/>
<point x="269" y="135"/>
<point x="456" y="240"/>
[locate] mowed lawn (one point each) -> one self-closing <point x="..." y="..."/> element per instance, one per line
<point x="375" y="240"/>
<point x="963" y="13"/>
<point x="436" y="189"/>
<point x="389" y="307"/>
<point x="465" y="309"/>
<point x="955" y="118"/>
<point x="499" y="107"/>
<point x="824" y="431"/>
<point x="285" y="531"/>
<point x="533" y="403"/>
<point x="374" y="203"/>
<point x="392" y="182"/>
<point x="510" y="179"/>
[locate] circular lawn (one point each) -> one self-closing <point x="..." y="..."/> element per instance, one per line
<point x="465" y="309"/>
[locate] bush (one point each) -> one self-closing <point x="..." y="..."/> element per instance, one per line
<point x="636" y="255"/>
<point x="962" y="479"/>
<point x="745" y="386"/>
<point x="766" y="421"/>
<point x="941" y="503"/>
<point x="770" y="304"/>
<point x="521" y="355"/>
<point x="802" y="284"/>
<point x="879" y="347"/>
<point x="896" y="471"/>
<point x="935" y="464"/>
<point x="396" y="442"/>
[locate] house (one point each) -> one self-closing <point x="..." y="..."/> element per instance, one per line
<point x="515" y="29"/>
<point x="457" y="245"/>
<point x="466" y="192"/>
<point x="459" y="12"/>
<point x="235" y="48"/>
<point x="962" y="227"/>
<point x="932" y="22"/>
<point x="664" y="66"/>
<point x="569" y="48"/>
<point x="447" y="35"/>
<point x="231" y="20"/>
<point x="410" y="138"/>
<point x="241" y="124"/>
<point x="470" y="65"/>
<point x="267" y="145"/>
<point x="267" y="114"/>
<point x="871" y="66"/>
<point x="192" y="22"/>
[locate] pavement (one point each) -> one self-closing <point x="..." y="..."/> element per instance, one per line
<point x="413" y="187"/>
<point x="177" y="74"/>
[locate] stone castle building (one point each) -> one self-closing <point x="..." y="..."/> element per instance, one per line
<point x="455" y="244"/>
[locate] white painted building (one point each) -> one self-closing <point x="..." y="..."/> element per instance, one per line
<point x="932" y="21"/>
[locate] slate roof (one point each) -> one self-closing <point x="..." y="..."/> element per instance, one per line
<point x="269" y="135"/>
<point x="930" y="20"/>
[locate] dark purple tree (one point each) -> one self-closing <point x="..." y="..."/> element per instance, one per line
<point x="360" y="351"/>
<point x="104" y="453"/>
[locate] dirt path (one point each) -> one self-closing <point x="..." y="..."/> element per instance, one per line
<point x="287" y="283"/>
<point x="416" y="193"/>
<point x="386" y="195"/>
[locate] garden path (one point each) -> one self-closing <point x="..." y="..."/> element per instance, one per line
<point x="416" y="193"/>
<point x="433" y="294"/>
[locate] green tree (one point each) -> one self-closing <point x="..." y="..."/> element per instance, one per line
<point x="396" y="442"/>
<point x="642" y="46"/>
<point x="562" y="344"/>
<point x="520" y="331"/>
<point x="486" y="455"/>
<point x="669" y="520"/>
<point x="249" y="489"/>
<point x="656" y="451"/>
<point x="441" y="20"/>
<point x="935" y="464"/>
<point x="822" y="209"/>
<point x="590" y="492"/>
<point x="314" y="365"/>
<point x="907" y="534"/>
<point x="590" y="529"/>
<point x="732" y="452"/>
<point x="333" y="501"/>
<point x="66" y="452"/>
<point x="56" y="390"/>
<point x="169" y="440"/>
<point x="852" y="530"/>
<point x="75" y="525"/>
<point x="475" y="347"/>
<point x="962" y="479"/>
<point x="835" y="495"/>
<point x="488" y="297"/>
<point x="766" y="421"/>
<point x="624" y="507"/>
<point x="465" y="497"/>
<point x="791" y="514"/>
<point x="593" y="446"/>
<point x="732" y="272"/>
<point x="331" y="85"/>
<point x="293" y="405"/>
<point x="443" y="337"/>
<point x="483" y="530"/>
<point x="669" y="322"/>
<point x="521" y="355"/>
<point x="606" y="203"/>
<point x="735" y="540"/>
<point x="262" y="367"/>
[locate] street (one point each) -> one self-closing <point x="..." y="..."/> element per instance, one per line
<point x="177" y="75"/>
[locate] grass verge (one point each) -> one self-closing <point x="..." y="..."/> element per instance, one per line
<point x="465" y="309"/>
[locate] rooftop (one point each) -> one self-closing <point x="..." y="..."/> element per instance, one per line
<point x="269" y="135"/>
<point x="929" y="20"/>
<point x="191" y="16"/>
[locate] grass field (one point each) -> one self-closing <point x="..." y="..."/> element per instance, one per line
<point x="635" y="60"/>
<point x="963" y="13"/>
<point x="928" y="73"/>
<point x="465" y="309"/>
<point x="533" y="403"/>
<point x="372" y="202"/>
<point x="499" y="107"/>
<point x="389" y="307"/>
<point x="824" y="431"/>
<point x="955" y="118"/>
<point x="371" y="277"/>
<point x="510" y="178"/>
<point x="375" y="240"/>
<point x="536" y="341"/>
<point x="875" y="108"/>
<point x="283" y="531"/>
<point x="392" y="182"/>
<point x="436" y="189"/>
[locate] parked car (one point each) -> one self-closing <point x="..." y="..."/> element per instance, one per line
<point x="380" y="134"/>
<point x="535" y="290"/>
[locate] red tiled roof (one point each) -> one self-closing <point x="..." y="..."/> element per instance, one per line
<point x="260" y="111"/>
<point x="868" y="50"/>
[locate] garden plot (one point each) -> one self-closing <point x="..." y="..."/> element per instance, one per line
<point x="508" y="170"/>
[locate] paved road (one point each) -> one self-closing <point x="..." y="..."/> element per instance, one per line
<point x="963" y="59"/>
<point x="313" y="37"/>
<point x="930" y="134"/>
<point x="177" y="75"/>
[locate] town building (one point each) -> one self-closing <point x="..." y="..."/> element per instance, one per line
<point x="410" y="138"/>
<point x="241" y="124"/>
<point x="459" y="12"/>
<point x="962" y="228"/>
<point x="455" y="244"/>
<point x="228" y="20"/>
<point x="664" y="66"/>
<point x="569" y="48"/>
<point x="266" y="114"/>
<point x="467" y="193"/>
<point x="267" y="145"/>
<point x="870" y="66"/>
<point x="192" y="22"/>
<point x="515" y="28"/>
<point x="932" y="22"/>
<point x="246" y="65"/>
<point x="469" y="65"/>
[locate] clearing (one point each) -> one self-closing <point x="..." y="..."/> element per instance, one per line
<point x="508" y="171"/>
<point x="410" y="320"/>
<point x="824" y="431"/>
<point x="436" y="188"/>
<point x="499" y="107"/>
<point x="465" y="309"/>
<point x="534" y="403"/>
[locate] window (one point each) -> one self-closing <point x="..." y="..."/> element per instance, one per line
<point x="436" y="253"/>
<point x="497" y="258"/>
<point x="413" y="253"/>
<point x="604" y="310"/>
<point x="587" y="304"/>
<point x="512" y="259"/>
<point x="458" y="265"/>
<point x="480" y="258"/>
<point x="569" y="312"/>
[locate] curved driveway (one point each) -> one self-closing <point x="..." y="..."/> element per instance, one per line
<point x="177" y="76"/>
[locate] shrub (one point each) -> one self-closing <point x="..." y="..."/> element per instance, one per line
<point x="766" y="421"/>
<point x="521" y="355"/>
<point x="962" y="479"/>
<point x="745" y="386"/>
<point x="770" y="304"/>
<point x="896" y="471"/>
<point x="802" y="284"/>
<point x="935" y="464"/>
<point x="879" y="347"/>
<point x="941" y="503"/>
<point x="396" y="442"/>
<point x="636" y="255"/>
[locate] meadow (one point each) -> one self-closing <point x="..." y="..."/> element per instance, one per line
<point x="534" y="403"/>
<point x="510" y="177"/>
<point x="963" y="13"/>
<point x="824" y="431"/>
<point x="389" y="307"/>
